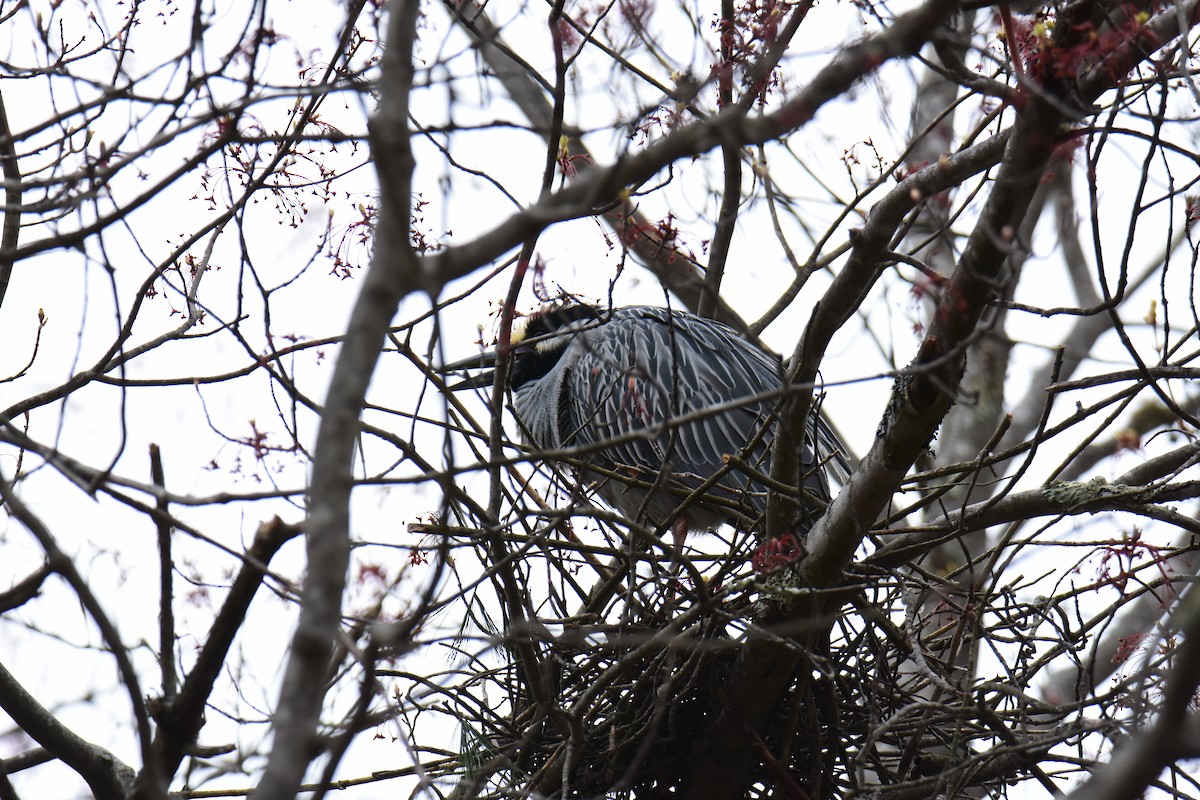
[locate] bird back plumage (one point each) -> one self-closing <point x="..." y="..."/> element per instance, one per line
<point x="656" y="401"/>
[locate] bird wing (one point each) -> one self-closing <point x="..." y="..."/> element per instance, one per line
<point x="646" y="366"/>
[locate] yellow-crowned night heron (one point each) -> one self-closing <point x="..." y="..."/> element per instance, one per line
<point x="658" y="402"/>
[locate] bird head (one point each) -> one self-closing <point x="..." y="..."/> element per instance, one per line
<point x="537" y="343"/>
<point x="539" y="340"/>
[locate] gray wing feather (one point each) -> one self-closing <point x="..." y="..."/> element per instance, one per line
<point x="645" y="366"/>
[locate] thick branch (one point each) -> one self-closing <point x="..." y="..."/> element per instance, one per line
<point x="1058" y="499"/>
<point x="394" y="273"/>
<point x="25" y="590"/>
<point x="920" y="401"/>
<point x="11" y="227"/>
<point x="105" y="775"/>
<point x="182" y="716"/>
<point x="518" y="79"/>
<point x="604" y="186"/>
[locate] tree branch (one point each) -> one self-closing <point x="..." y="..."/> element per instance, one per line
<point x="12" y="200"/>
<point x="394" y="273"/>
<point x="1146" y="754"/>
<point x="25" y="590"/>
<point x="62" y="564"/>
<point x="920" y="400"/>
<point x="604" y="186"/>
<point x="182" y="715"/>
<point x="106" y="776"/>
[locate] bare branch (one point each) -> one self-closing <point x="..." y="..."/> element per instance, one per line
<point x="393" y="273"/>
<point x="12" y="199"/>
<point x="107" y="777"/>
